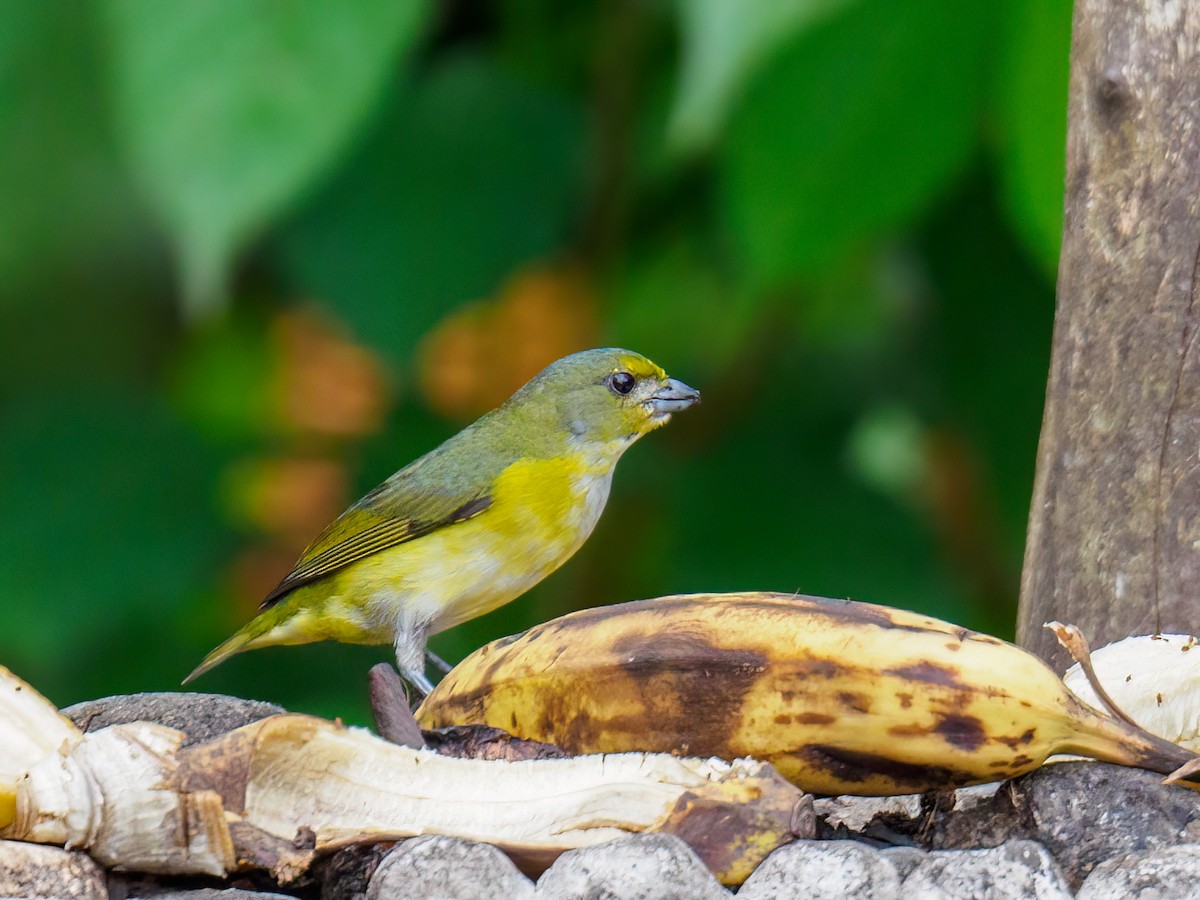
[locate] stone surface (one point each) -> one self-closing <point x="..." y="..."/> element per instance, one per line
<point x="345" y="874"/>
<point x="968" y="818"/>
<point x="435" y="867"/>
<point x="1169" y="874"/>
<point x="1019" y="870"/>
<point x="1085" y="813"/>
<point x="201" y="717"/>
<point x="969" y="798"/>
<point x="977" y="822"/>
<point x="845" y="815"/>
<point x="174" y="893"/>
<point x="823" y="870"/>
<point x="638" y="867"/>
<point x="903" y="859"/>
<point x="35" y="871"/>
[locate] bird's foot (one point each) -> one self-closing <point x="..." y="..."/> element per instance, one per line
<point x="416" y="679"/>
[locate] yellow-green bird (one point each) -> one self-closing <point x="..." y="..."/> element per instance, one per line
<point x="474" y="523"/>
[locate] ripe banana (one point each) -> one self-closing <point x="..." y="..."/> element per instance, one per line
<point x="842" y="697"/>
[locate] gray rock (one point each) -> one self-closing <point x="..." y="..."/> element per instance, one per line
<point x="814" y="870"/>
<point x="876" y="821"/>
<point x="344" y="875"/>
<point x="35" y="871"/>
<point x="968" y="818"/>
<point x="638" y="867"/>
<point x="435" y="867"/>
<point x="978" y="821"/>
<point x="850" y="814"/>
<point x="1085" y="813"/>
<point x="201" y="717"/>
<point x="1169" y="874"/>
<point x="1019" y="870"/>
<point x="903" y="859"/>
<point x="969" y="798"/>
<point x="171" y="893"/>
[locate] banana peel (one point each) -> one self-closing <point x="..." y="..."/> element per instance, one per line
<point x="1154" y="679"/>
<point x="30" y="729"/>
<point x="841" y="697"/>
<point x="279" y="792"/>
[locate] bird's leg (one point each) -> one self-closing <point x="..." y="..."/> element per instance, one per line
<point x="410" y="654"/>
<point x="437" y="662"/>
<point x="420" y="683"/>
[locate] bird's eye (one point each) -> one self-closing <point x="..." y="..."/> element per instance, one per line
<point x="621" y="382"/>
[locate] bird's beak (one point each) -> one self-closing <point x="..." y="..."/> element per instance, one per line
<point x="672" y="397"/>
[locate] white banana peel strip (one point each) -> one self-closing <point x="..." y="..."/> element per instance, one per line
<point x="114" y="795"/>
<point x="1155" y="680"/>
<point x="277" y="791"/>
<point x="30" y="730"/>
<point x="344" y="782"/>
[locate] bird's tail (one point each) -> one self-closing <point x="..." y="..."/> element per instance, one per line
<point x="263" y="631"/>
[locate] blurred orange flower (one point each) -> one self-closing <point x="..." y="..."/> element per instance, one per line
<point x="325" y="383"/>
<point x="477" y="356"/>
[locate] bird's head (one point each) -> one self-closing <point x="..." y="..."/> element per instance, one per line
<point x="606" y="396"/>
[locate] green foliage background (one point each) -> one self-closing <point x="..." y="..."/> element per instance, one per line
<point x="838" y="218"/>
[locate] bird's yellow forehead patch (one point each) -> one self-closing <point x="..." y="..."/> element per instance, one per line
<point x="640" y="367"/>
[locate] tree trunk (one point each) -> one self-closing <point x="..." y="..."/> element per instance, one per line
<point x="1114" y="530"/>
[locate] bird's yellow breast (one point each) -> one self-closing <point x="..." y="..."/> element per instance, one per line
<point x="540" y="514"/>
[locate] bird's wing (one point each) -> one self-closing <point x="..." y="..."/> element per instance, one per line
<point x="388" y="516"/>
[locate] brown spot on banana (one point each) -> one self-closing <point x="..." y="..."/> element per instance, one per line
<point x="1019" y="741"/>
<point x="812" y="718"/>
<point x="930" y="673"/>
<point x="856" y="767"/>
<point x="683" y="675"/>
<point x="855" y="702"/>
<point x="965" y="732"/>
<point x="908" y="730"/>
<point x="818" y="668"/>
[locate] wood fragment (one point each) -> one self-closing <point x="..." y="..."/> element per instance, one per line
<point x="1184" y="772"/>
<point x="1076" y="644"/>
<point x="389" y="703"/>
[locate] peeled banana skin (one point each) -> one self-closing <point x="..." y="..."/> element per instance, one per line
<point x="842" y="697"/>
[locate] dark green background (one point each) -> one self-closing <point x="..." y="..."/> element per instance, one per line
<point x="838" y="218"/>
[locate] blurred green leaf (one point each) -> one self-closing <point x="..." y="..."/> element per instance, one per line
<point x="110" y="519"/>
<point x="548" y="42"/>
<point x="774" y="508"/>
<point x="854" y="128"/>
<point x="1031" y="96"/>
<point x="65" y="204"/>
<point x="986" y="347"/>
<point x="470" y="173"/>
<point x="862" y="306"/>
<point x="228" y="110"/>
<point x="884" y="450"/>
<point x="724" y="43"/>
<point x="222" y="377"/>
<point x="675" y="305"/>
